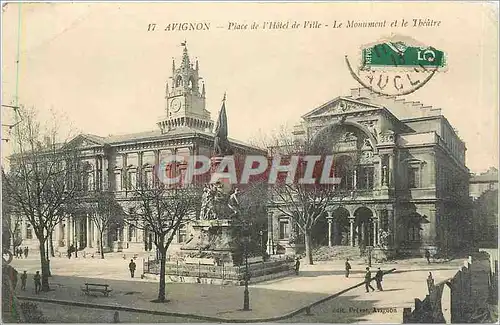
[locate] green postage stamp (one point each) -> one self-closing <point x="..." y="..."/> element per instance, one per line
<point x="400" y="54"/>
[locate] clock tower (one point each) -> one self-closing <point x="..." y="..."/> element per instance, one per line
<point x="184" y="101"/>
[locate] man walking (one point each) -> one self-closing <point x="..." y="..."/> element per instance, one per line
<point x="368" y="279"/>
<point x="24" y="278"/>
<point x="347" y="268"/>
<point x="378" y="278"/>
<point x="428" y="256"/>
<point x="38" y="282"/>
<point x="297" y="266"/>
<point x="26" y="252"/>
<point x="131" y="267"/>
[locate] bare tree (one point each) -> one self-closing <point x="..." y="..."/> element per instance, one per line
<point x="11" y="223"/>
<point x="163" y="210"/>
<point x="303" y="203"/>
<point x="104" y="212"/>
<point x="41" y="179"/>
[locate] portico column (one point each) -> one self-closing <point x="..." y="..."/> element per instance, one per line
<point x="96" y="235"/>
<point x="24" y="226"/>
<point x="390" y="181"/>
<point x="362" y="239"/>
<point x="329" y="219"/>
<point x="354" y="178"/>
<point x="379" y="224"/>
<point x="70" y="231"/>
<point x="270" y="235"/>
<point x="392" y="224"/>
<point x="375" y="232"/>
<point x="87" y="231"/>
<point x="57" y="234"/>
<point x="351" y="231"/>
<point x="156" y="169"/>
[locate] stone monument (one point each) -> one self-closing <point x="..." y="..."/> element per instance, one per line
<point x="218" y="232"/>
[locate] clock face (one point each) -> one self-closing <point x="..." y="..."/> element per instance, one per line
<point x="175" y="104"/>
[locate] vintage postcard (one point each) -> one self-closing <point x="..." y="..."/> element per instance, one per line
<point x="229" y="162"/>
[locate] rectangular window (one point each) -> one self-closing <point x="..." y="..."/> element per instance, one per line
<point x="29" y="232"/>
<point x="148" y="175"/>
<point x="414" y="233"/>
<point x="284" y="229"/>
<point x="132" y="180"/>
<point x="118" y="181"/>
<point x="413" y="177"/>
<point x="365" y="178"/>
<point x="131" y="233"/>
<point x="182" y="234"/>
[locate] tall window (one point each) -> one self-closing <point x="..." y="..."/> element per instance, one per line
<point x="90" y="181"/>
<point x="365" y="177"/>
<point x="182" y="234"/>
<point x="413" y="177"/>
<point x="148" y="178"/>
<point x="29" y="231"/>
<point x="413" y="232"/>
<point x="132" y="232"/>
<point x="132" y="180"/>
<point x="284" y="229"/>
<point x="118" y="181"/>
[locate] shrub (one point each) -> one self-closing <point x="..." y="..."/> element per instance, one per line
<point x="32" y="313"/>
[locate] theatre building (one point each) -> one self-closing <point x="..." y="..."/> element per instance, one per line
<point x="404" y="183"/>
<point x="118" y="162"/>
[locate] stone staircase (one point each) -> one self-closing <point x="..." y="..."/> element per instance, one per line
<point x="325" y="253"/>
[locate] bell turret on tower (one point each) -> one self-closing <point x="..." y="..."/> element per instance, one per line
<point x="184" y="103"/>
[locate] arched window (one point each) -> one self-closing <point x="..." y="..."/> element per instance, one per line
<point x="191" y="83"/>
<point x="344" y="166"/>
<point x="178" y="81"/>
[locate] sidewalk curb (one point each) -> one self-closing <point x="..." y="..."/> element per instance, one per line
<point x="305" y="309"/>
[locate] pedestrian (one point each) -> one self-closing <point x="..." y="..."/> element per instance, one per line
<point x="13" y="278"/>
<point x="131" y="267"/>
<point x="368" y="279"/>
<point x="297" y="266"/>
<point x="430" y="282"/>
<point x="378" y="278"/>
<point x="428" y="256"/>
<point x="24" y="278"/>
<point x="38" y="282"/>
<point x="26" y="252"/>
<point x="347" y="268"/>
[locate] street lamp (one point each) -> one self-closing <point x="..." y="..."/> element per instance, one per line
<point x="246" y="294"/>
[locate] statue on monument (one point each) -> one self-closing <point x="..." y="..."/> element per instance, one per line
<point x="234" y="203"/>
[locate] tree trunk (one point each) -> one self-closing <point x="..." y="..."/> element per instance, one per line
<point x="51" y="246"/>
<point x="75" y="239"/>
<point x="48" y="260"/>
<point x="161" y="289"/>
<point x="45" y="267"/>
<point x="307" y="238"/>
<point x="101" y="246"/>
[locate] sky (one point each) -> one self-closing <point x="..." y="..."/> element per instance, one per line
<point x="97" y="64"/>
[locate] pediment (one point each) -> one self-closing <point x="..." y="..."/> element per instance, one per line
<point x="83" y="141"/>
<point x="340" y="106"/>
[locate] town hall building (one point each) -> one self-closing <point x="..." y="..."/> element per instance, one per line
<point x="118" y="162"/>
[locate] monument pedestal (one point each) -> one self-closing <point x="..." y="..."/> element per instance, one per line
<point x="219" y="240"/>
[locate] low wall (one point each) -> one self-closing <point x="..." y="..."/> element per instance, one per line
<point x="180" y="271"/>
